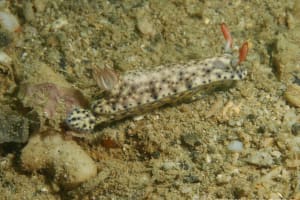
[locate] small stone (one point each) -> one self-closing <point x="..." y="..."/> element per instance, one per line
<point x="261" y="159"/>
<point x="40" y="5"/>
<point x="191" y="179"/>
<point x="235" y="146"/>
<point x="28" y="11"/>
<point x="67" y="161"/>
<point x="168" y="165"/>
<point x="223" y="178"/>
<point x="5" y="38"/>
<point x="13" y="127"/>
<point x="292" y="95"/>
<point x="296" y="129"/>
<point x="191" y="140"/>
<point x="145" y="26"/>
<point x="9" y="22"/>
<point x="5" y="59"/>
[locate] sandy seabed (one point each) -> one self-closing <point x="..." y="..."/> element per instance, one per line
<point x="177" y="152"/>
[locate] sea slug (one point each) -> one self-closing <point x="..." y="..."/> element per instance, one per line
<point x="137" y="92"/>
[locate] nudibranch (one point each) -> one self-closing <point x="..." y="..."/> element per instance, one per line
<point x="138" y="92"/>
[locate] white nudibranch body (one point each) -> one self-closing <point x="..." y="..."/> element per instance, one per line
<point x="137" y="92"/>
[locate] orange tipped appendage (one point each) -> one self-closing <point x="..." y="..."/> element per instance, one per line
<point x="243" y="52"/>
<point x="227" y="35"/>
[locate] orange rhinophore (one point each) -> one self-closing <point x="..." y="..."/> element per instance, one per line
<point x="227" y="35"/>
<point x="243" y="52"/>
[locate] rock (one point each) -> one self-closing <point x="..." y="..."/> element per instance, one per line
<point x="223" y="178"/>
<point x="28" y="11"/>
<point x="261" y="159"/>
<point x="235" y="146"/>
<point x="292" y="95"/>
<point x="9" y="22"/>
<point x="69" y="163"/>
<point x="191" y="140"/>
<point x="296" y="129"/>
<point x="5" y="59"/>
<point x="40" y="5"/>
<point x="146" y="27"/>
<point x="13" y="127"/>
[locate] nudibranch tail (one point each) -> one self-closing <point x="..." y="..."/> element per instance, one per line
<point x="81" y="120"/>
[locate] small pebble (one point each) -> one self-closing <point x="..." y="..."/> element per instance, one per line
<point x="5" y="39"/>
<point x="9" y="22"/>
<point x="169" y="165"/>
<point x="261" y="159"/>
<point x="40" y="5"/>
<point x="191" y="140"/>
<point x="223" y="178"/>
<point x="13" y="127"/>
<point x="145" y="26"/>
<point x="5" y="59"/>
<point x="292" y="95"/>
<point x="235" y="146"/>
<point x="65" y="160"/>
<point x="296" y="129"/>
<point x="28" y="11"/>
<point x="191" y="179"/>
